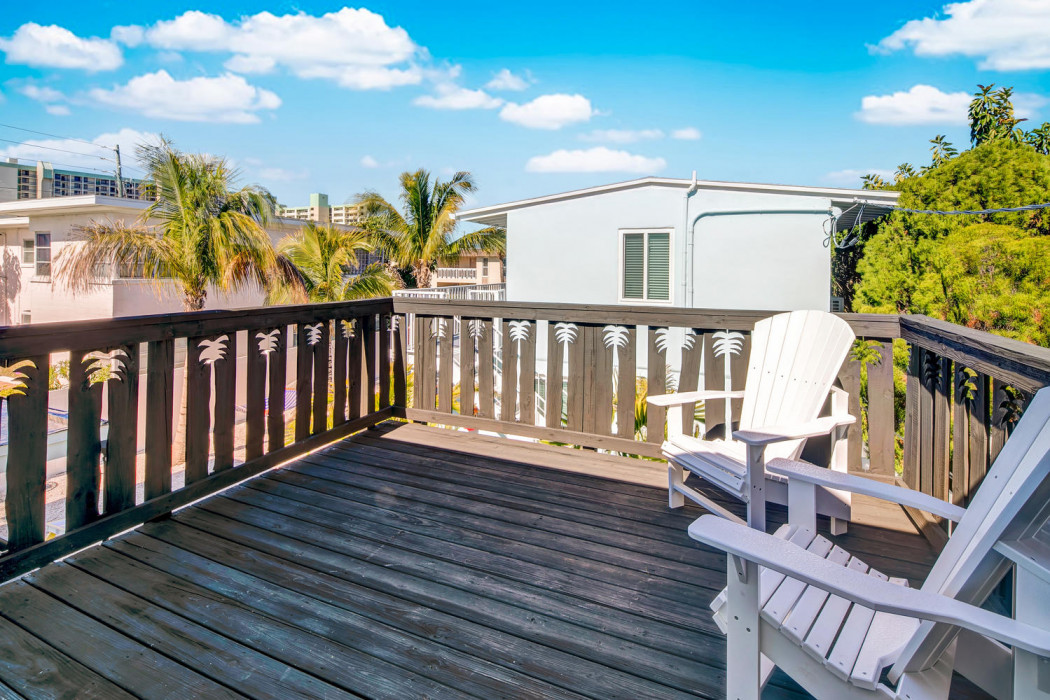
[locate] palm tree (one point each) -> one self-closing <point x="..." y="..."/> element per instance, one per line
<point x="325" y="256"/>
<point x="200" y="232"/>
<point x="420" y="236"/>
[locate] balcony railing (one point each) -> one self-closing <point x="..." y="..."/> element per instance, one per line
<point x="472" y="292"/>
<point x="964" y="391"/>
<point x="458" y="274"/>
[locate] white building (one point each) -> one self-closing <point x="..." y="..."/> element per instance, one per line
<point x="686" y="243"/>
<point x="321" y="211"/>
<point x="21" y="180"/>
<point x="34" y="231"/>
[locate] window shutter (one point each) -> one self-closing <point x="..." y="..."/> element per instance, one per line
<point x="659" y="278"/>
<point x="633" y="265"/>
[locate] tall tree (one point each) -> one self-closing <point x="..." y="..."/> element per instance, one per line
<point x="422" y="234"/>
<point x="326" y="257"/>
<point x="201" y="231"/>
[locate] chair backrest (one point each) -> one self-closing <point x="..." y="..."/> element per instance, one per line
<point x="1011" y="502"/>
<point x="795" y="358"/>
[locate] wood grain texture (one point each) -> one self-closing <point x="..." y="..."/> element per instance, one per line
<point x="160" y="387"/>
<point x="960" y="477"/>
<point x="304" y="370"/>
<point x="122" y="438"/>
<point x="384" y="359"/>
<point x="277" y="373"/>
<point x="508" y="396"/>
<point x="881" y="419"/>
<point x="198" y="410"/>
<point x="321" y="359"/>
<point x="400" y="367"/>
<point x="656" y="382"/>
<point x="371" y="332"/>
<point x="978" y="431"/>
<point x="83" y="445"/>
<point x="486" y="372"/>
<point x="527" y="377"/>
<point x="225" y="373"/>
<point x="467" y="346"/>
<point x="689" y="378"/>
<point x="446" y="363"/>
<point x="577" y="370"/>
<point x="555" y="397"/>
<point x="255" y="395"/>
<point x="626" y="384"/>
<point x="27" y="457"/>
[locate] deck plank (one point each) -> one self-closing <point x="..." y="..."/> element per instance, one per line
<point x="405" y="561"/>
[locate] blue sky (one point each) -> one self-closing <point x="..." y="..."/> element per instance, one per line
<point x="533" y="98"/>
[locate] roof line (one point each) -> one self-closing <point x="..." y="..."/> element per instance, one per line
<point x="880" y="196"/>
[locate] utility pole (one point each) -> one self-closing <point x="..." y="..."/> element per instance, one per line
<point x="120" y="175"/>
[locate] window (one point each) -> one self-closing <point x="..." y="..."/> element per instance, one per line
<point x="43" y="255"/>
<point x="28" y="252"/>
<point x="646" y="265"/>
<point x="27" y="317"/>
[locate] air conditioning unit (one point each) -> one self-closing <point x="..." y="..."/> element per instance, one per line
<point x="838" y="305"/>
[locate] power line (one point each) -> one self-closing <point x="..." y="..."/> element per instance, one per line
<point x="54" y="136"/>
<point x="1001" y="210"/>
<point x="60" y="150"/>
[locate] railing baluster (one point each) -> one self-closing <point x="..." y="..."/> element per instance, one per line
<point x="656" y="385"/>
<point x="83" y="446"/>
<point x="911" y="419"/>
<point x="384" y="359"/>
<point x="356" y="370"/>
<point x="881" y="416"/>
<point x="509" y="389"/>
<point x="486" y="371"/>
<point x="997" y="428"/>
<point x="278" y="379"/>
<point x="255" y="391"/>
<point x="370" y="332"/>
<point x="941" y="426"/>
<point x="122" y="439"/>
<point x="626" y="383"/>
<point x="557" y="336"/>
<point x="446" y="363"/>
<point x="160" y="390"/>
<point x="400" y="341"/>
<point x="303" y="381"/>
<point x="27" y="456"/>
<point x="340" y="344"/>
<point x="960" y="479"/>
<point x="224" y="370"/>
<point x="468" y="328"/>
<point x="978" y="433"/>
<point x="198" y="407"/>
<point x="321" y="352"/>
<point x="689" y="380"/>
<point x="576" y="380"/>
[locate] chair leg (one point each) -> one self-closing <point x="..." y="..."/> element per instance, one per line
<point x="838" y="526"/>
<point x="756" y="477"/>
<point x="743" y="655"/>
<point x="675" y="477"/>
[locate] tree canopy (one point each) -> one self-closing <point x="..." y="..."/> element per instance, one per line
<point x="990" y="272"/>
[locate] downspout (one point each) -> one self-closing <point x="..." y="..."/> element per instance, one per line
<point x="736" y="212"/>
<point x="685" y="222"/>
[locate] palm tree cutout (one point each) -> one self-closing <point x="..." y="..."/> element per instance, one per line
<point x="313" y="333"/>
<point x="663" y="339"/>
<point x="475" y="327"/>
<point x="519" y="332"/>
<point x="349" y="328"/>
<point x="437" y="328"/>
<point x="213" y="350"/>
<point x="728" y="344"/>
<point x="17" y="382"/>
<point x="565" y="333"/>
<point x="102" y="366"/>
<point x="268" y="341"/>
<point x="616" y="337"/>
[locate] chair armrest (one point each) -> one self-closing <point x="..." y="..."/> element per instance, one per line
<point x="811" y="474"/>
<point x="779" y="433"/>
<point x="692" y="397"/>
<point x="770" y="551"/>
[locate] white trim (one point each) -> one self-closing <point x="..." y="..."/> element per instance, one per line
<point x="77" y="202"/>
<point x="494" y="214"/>
<point x="669" y="230"/>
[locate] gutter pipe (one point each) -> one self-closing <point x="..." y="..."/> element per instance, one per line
<point x="685" y="222"/>
<point x="735" y="212"/>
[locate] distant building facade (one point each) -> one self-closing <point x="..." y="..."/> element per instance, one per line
<point x="40" y="180"/>
<point x="322" y="212"/>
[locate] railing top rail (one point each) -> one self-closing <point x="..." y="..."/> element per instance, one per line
<point x="868" y="325"/>
<point x="1022" y="365"/>
<point x="40" y="338"/>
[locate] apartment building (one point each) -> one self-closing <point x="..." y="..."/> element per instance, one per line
<point x="321" y="211"/>
<point x="33" y="232"/>
<point x="469" y="269"/>
<point x="40" y="180"/>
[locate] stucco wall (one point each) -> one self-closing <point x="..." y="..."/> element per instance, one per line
<point x="568" y="251"/>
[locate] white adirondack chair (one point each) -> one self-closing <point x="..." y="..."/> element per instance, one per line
<point x="795" y="358"/>
<point x="834" y="624"/>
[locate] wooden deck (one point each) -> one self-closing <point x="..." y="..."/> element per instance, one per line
<point x="404" y="562"/>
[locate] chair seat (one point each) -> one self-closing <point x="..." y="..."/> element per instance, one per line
<point x="854" y="642"/>
<point x="722" y="462"/>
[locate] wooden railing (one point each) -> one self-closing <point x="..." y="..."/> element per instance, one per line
<point x="964" y="388"/>
<point x="347" y="364"/>
<point x="477" y="364"/>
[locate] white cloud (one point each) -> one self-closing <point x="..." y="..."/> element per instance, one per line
<point x="549" y="111"/>
<point x="622" y="135"/>
<point x="57" y="47"/>
<point x="369" y="162"/>
<point x="689" y="133"/>
<point x="851" y="177"/>
<point x="922" y="104"/>
<point x="1004" y="34"/>
<point x="41" y="93"/>
<point x="227" y="98"/>
<point x="451" y="96"/>
<point x="352" y="47"/>
<point x="255" y="169"/>
<point x="594" y="160"/>
<point x="505" y="80"/>
<point x="57" y="110"/>
<point x="129" y="35"/>
<point x="97" y="154"/>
